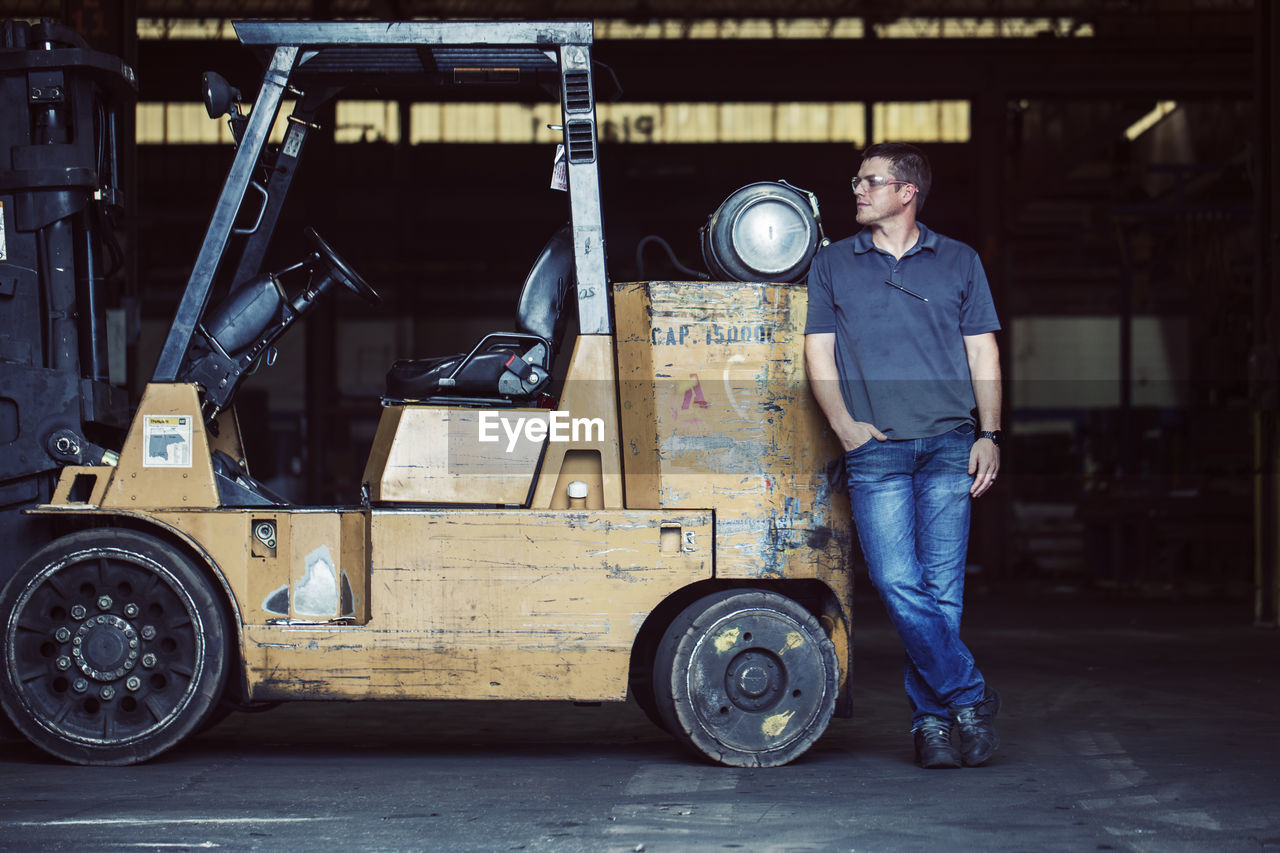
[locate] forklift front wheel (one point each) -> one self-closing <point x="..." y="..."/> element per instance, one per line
<point x="8" y="731"/>
<point x="116" y="647"/>
<point x="747" y="678"/>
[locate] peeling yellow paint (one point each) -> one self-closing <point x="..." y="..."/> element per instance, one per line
<point x="539" y="602"/>
<point x="773" y="726"/>
<point x="727" y="640"/>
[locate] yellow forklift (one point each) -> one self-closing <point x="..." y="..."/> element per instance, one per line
<point x="636" y="509"/>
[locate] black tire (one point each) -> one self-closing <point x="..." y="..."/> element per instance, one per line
<point x="640" y="685"/>
<point x="217" y="714"/>
<point x="115" y="647"/>
<point x="8" y="731"/>
<point x="226" y="707"/>
<point x="746" y="678"/>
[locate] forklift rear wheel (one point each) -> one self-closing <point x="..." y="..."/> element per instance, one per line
<point x="747" y="678"/>
<point x="640" y="686"/>
<point x="116" y="647"/>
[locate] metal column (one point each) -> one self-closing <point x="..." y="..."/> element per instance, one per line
<point x="1266" y="315"/>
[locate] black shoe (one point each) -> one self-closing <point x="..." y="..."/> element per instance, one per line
<point x="934" y="750"/>
<point x="976" y="729"/>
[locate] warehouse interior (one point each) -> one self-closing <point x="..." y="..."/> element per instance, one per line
<point x="1111" y="161"/>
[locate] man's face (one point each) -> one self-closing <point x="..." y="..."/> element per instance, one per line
<point x="879" y="204"/>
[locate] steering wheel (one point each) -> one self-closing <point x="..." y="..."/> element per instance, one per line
<point x="340" y="269"/>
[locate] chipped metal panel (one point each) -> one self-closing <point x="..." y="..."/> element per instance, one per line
<point x="636" y="397"/>
<point x="717" y="412"/>
<point x="355" y="562"/>
<point x="311" y="547"/>
<point x="438" y="454"/>
<point x="590" y="391"/>
<point x="71" y="478"/>
<point x="307" y="663"/>
<point x="165" y="459"/>
<point x="491" y="604"/>
<point x="317" y="557"/>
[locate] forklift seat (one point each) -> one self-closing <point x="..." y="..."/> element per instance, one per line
<point x="504" y="367"/>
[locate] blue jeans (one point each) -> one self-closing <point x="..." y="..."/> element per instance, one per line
<point x="910" y="501"/>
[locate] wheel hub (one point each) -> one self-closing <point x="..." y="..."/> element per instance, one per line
<point x="105" y="647"/>
<point x="754" y="679"/>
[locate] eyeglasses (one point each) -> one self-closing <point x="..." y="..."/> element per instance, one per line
<point x="874" y="182"/>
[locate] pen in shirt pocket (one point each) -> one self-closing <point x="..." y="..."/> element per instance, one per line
<point x="904" y="290"/>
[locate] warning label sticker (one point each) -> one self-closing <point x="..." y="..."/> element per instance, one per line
<point x="166" y="441"/>
<point x="4" y="253"/>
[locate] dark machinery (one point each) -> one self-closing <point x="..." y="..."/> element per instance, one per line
<point x="60" y="190"/>
<point x="241" y="330"/>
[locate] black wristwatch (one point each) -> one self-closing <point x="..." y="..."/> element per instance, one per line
<point x="994" y="435"/>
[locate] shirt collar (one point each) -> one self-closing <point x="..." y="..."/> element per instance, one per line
<point x="862" y="242"/>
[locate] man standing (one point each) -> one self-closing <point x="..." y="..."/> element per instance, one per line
<point x="900" y="349"/>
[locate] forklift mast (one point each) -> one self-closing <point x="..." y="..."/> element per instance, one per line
<point x="63" y="106"/>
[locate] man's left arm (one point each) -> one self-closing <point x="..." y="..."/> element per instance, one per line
<point x="984" y="370"/>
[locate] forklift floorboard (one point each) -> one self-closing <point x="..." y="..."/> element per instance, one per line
<point x="1127" y="725"/>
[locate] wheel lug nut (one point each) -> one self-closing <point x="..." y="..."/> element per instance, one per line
<point x="133" y="683"/>
<point x="104" y="602"/>
<point x="107" y="693"/>
<point x="148" y="660"/>
<point x="133" y="644"/>
<point x="62" y="635"/>
<point x="148" y="632"/>
<point x="78" y="612"/>
<point x="80" y="685"/>
<point x="131" y="610"/>
<point x="64" y="663"/>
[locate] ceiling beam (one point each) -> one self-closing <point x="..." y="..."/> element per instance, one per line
<point x="872" y="10"/>
<point x="831" y="70"/>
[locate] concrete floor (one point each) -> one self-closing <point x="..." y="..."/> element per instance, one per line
<point x="1145" y="726"/>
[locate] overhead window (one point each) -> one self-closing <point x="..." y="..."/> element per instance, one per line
<point x="644" y="123"/>
<point x="666" y="29"/>
<point x="183" y="123"/>
<point x="921" y="121"/>
<point x="366" y="121"/>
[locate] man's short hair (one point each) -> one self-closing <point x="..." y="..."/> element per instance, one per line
<point x="909" y="164"/>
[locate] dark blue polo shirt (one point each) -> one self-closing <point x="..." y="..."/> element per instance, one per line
<point x="901" y="358"/>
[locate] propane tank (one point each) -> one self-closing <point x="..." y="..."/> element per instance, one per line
<point x="766" y="231"/>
